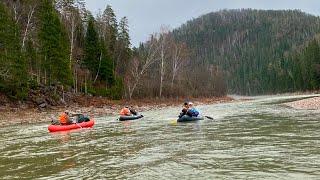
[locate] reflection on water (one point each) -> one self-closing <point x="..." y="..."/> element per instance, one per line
<point x="249" y="140"/>
<point x="126" y="126"/>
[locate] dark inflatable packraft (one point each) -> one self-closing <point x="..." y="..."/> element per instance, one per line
<point x="55" y="128"/>
<point x="187" y="118"/>
<point x="127" y="118"/>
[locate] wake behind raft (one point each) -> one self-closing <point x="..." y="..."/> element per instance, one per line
<point x="55" y="128"/>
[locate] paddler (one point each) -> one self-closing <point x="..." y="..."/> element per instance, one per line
<point x="64" y="118"/>
<point x="184" y="109"/>
<point x="125" y="111"/>
<point x="192" y="112"/>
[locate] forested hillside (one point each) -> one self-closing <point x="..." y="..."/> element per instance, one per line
<point x="50" y="47"/>
<point x="59" y="45"/>
<point x="258" y="51"/>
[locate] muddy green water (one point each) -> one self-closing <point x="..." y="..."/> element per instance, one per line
<point x="257" y="139"/>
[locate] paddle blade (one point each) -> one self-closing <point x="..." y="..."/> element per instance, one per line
<point x="209" y="117"/>
<point x="173" y="122"/>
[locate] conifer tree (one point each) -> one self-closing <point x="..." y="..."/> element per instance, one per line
<point x="124" y="33"/>
<point x="54" y="46"/>
<point x="123" y="49"/>
<point x="107" y="74"/>
<point x="110" y="20"/>
<point x="13" y="74"/>
<point x="92" y="47"/>
<point x="311" y="62"/>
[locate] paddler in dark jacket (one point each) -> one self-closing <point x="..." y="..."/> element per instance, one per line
<point x="184" y="110"/>
<point x="133" y="111"/>
<point x="192" y="112"/>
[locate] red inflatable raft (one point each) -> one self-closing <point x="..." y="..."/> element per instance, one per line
<point x="55" y="128"/>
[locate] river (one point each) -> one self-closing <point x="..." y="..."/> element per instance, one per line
<point x="256" y="139"/>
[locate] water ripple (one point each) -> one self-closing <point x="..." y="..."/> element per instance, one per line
<point x="257" y="139"/>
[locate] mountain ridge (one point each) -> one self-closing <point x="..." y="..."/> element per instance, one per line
<point x="248" y="45"/>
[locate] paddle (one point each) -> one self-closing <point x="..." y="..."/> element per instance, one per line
<point x="209" y="117"/>
<point x="173" y="122"/>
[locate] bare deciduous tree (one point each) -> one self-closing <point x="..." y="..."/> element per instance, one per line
<point x="163" y="46"/>
<point x="140" y="65"/>
<point x="163" y="55"/>
<point x="30" y="16"/>
<point x="23" y="14"/>
<point x="178" y="58"/>
<point x="72" y="13"/>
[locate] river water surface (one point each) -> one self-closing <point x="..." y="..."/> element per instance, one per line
<point x="258" y="139"/>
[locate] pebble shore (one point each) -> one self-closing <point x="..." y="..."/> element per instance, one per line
<point x="309" y="103"/>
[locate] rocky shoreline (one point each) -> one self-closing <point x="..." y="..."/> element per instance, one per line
<point x="305" y="104"/>
<point x="93" y="106"/>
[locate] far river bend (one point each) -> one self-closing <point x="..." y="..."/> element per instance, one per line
<point x="258" y="139"/>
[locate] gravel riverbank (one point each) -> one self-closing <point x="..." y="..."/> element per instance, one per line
<point x="309" y="103"/>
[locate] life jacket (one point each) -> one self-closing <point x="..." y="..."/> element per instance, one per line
<point x="193" y="112"/>
<point x="125" y="112"/>
<point x="63" y="118"/>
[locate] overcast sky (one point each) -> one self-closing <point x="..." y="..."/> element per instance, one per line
<point x="147" y="16"/>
